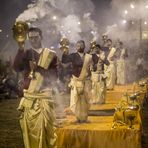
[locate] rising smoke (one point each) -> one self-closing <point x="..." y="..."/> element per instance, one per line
<point x="129" y="27"/>
<point x="130" y="12"/>
<point x="58" y="18"/>
<point x="135" y="8"/>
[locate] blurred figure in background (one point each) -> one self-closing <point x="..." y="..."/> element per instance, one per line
<point x="140" y="66"/>
<point x="104" y="46"/>
<point x="104" y="40"/>
<point x="121" y="63"/>
<point x="110" y="70"/>
<point x="98" y="77"/>
<point x="8" y="83"/>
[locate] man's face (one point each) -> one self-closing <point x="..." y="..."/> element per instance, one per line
<point x="80" y="46"/>
<point x="35" y="39"/>
<point x="117" y="45"/>
<point x="96" y="50"/>
<point x="109" y="43"/>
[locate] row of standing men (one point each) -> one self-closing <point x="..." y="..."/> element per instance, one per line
<point x="40" y="67"/>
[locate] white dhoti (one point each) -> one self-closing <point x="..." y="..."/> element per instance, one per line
<point x="121" y="71"/>
<point x="37" y="120"/>
<point x="111" y="76"/>
<point x="98" y="90"/>
<point x="79" y="103"/>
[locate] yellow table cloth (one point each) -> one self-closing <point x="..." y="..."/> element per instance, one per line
<point x="97" y="134"/>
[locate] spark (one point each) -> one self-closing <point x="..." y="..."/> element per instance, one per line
<point x="92" y="32"/>
<point x="54" y="17"/>
<point x="79" y="23"/>
<point x="132" y="6"/>
<point x="69" y="31"/>
<point x="126" y="12"/>
<point x="145" y="35"/>
<point x="124" y="21"/>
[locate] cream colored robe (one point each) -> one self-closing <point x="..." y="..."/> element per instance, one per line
<point x="121" y="68"/>
<point x="98" y="90"/>
<point x="37" y="120"/>
<point x="111" y="76"/>
<point x="111" y="70"/>
<point x="79" y="102"/>
<point x="121" y="71"/>
<point x="37" y="106"/>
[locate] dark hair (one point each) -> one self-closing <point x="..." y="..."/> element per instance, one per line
<point x="121" y="43"/>
<point x="35" y="29"/>
<point x="109" y="40"/>
<point x="81" y="41"/>
<point x="98" y="46"/>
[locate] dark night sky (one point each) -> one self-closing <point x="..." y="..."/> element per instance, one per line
<point x="10" y="9"/>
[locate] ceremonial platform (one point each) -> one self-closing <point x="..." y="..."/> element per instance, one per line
<point x="98" y="132"/>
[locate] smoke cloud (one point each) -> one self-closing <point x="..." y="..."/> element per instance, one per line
<point x="134" y="8"/>
<point x="58" y="18"/>
<point x="131" y="15"/>
<point x="131" y="22"/>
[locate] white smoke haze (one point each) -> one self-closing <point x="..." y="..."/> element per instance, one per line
<point x="115" y="32"/>
<point x="128" y="16"/>
<point x="134" y="8"/>
<point x="58" y="18"/>
<point x="70" y="28"/>
<point x="91" y="27"/>
<point x="78" y="7"/>
<point x="34" y="12"/>
<point x="131" y="21"/>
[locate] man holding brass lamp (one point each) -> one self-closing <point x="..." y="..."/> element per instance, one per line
<point x="79" y="100"/>
<point x="38" y="65"/>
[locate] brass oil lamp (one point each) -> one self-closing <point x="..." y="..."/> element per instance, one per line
<point x="92" y="46"/>
<point x="20" y="30"/>
<point x="64" y="43"/>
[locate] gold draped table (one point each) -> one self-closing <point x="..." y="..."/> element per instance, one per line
<point x="98" y="132"/>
